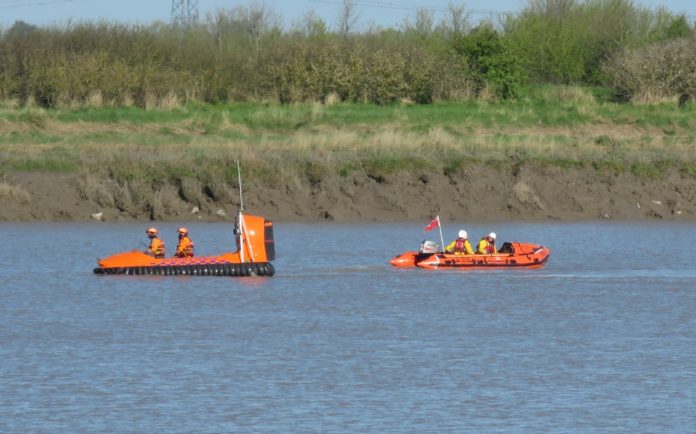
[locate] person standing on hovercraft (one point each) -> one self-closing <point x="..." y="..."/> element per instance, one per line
<point x="487" y="245"/>
<point x="185" y="247"/>
<point x="460" y="246"/>
<point x="156" y="247"/>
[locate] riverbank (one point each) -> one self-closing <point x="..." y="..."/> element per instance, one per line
<point x="475" y="192"/>
<point x="561" y="154"/>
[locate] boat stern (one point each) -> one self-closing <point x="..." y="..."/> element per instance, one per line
<point x="431" y="262"/>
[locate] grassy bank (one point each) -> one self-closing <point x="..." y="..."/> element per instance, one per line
<point x="560" y="126"/>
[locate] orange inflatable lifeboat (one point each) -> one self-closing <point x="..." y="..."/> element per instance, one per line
<point x="511" y="255"/>
<point x="255" y="251"/>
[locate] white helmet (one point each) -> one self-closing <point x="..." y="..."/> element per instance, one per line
<point x="492" y="235"/>
<point x="463" y="234"/>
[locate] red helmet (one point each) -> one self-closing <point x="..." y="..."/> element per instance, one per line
<point x="183" y="231"/>
<point x="152" y="231"/>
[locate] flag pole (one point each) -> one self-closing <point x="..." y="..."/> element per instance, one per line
<point x="439" y="226"/>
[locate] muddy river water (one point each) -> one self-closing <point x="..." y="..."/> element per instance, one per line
<point x="603" y="339"/>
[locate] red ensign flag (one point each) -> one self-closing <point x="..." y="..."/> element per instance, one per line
<point x="433" y="224"/>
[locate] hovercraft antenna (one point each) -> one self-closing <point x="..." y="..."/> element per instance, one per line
<point x="240" y="219"/>
<point x="239" y="177"/>
<point x="241" y="229"/>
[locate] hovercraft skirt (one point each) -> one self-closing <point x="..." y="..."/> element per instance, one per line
<point x="228" y="269"/>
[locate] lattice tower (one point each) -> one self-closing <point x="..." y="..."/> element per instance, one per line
<point x="184" y="12"/>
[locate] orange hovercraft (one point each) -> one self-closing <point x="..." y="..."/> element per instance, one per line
<point x="255" y="250"/>
<point x="510" y="255"/>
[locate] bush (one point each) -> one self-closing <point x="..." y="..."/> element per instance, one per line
<point x="657" y="72"/>
<point x="567" y="41"/>
<point x="492" y="62"/>
<point x="244" y="55"/>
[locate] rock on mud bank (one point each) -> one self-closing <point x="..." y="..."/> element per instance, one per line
<point x="473" y="192"/>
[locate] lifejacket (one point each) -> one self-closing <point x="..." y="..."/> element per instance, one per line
<point x="185" y="248"/>
<point x="486" y="247"/>
<point x="157" y="248"/>
<point x="460" y="246"/>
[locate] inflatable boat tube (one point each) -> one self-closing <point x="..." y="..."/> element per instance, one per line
<point x="511" y="255"/>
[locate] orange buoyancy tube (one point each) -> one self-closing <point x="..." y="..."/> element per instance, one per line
<point x="185" y="248"/>
<point x="156" y="248"/>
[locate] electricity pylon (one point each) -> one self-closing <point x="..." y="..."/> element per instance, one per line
<point x="184" y="12"/>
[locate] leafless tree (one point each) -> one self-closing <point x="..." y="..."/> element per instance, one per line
<point x="253" y="20"/>
<point x="347" y="17"/>
<point x="456" y="19"/>
<point x="311" y="24"/>
<point x="424" y="21"/>
<point x="260" y="18"/>
<point x="422" y="24"/>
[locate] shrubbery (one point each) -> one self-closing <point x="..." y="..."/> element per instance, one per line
<point x="245" y="55"/>
<point x="657" y="72"/>
<point x="567" y="41"/>
<point x="492" y="63"/>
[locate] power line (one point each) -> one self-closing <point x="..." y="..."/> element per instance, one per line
<point x="35" y="3"/>
<point x="383" y="5"/>
<point x="397" y="6"/>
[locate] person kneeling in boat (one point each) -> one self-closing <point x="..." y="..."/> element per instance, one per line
<point x="487" y="245"/>
<point x="185" y="247"/>
<point x="156" y="247"/>
<point x="460" y="246"/>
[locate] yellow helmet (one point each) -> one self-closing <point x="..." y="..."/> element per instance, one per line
<point x="152" y="231"/>
<point x="183" y="231"/>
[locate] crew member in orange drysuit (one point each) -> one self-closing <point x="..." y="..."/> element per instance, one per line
<point x="156" y="247"/>
<point x="185" y="247"/>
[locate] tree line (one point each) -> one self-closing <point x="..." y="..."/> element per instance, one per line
<point x="246" y="54"/>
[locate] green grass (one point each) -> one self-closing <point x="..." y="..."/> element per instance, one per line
<point x="116" y="115"/>
<point x="477" y="114"/>
<point x="41" y="165"/>
<point x="561" y="126"/>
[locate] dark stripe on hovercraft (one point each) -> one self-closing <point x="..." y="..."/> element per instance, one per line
<point x="235" y="270"/>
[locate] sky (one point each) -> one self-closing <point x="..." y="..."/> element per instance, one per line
<point x="383" y="13"/>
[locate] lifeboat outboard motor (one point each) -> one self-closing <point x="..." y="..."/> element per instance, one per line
<point x="429" y="247"/>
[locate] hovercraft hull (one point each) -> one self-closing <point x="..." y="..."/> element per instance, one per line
<point x="193" y="268"/>
<point x="256" y="250"/>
